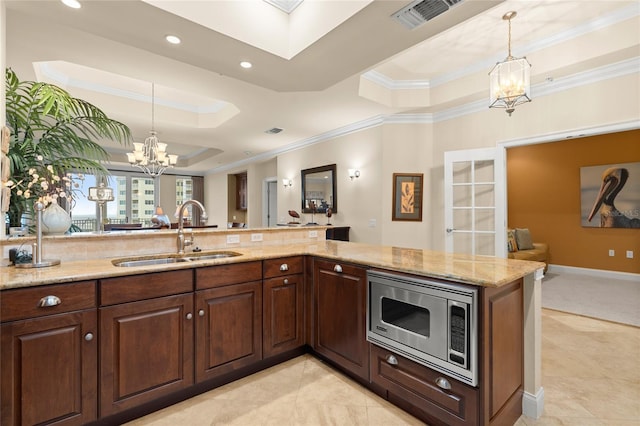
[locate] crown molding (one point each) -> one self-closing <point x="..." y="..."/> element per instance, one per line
<point x="545" y="88"/>
<point x="46" y="70"/>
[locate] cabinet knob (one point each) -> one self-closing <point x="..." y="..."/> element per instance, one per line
<point x="284" y="267"/>
<point x="49" y="301"/>
<point x="88" y="337"/>
<point x="286" y="280"/>
<point x="443" y="383"/>
<point x="189" y="315"/>
<point x="392" y="360"/>
<point x="201" y="312"/>
<point x="337" y="268"/>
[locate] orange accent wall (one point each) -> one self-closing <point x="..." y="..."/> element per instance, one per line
<point x="544" y="195"/>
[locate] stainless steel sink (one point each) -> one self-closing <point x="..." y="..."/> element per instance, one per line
<point x="211" y="255"/>
<point x="168" y="259"/>
<point x="147" y="262"/>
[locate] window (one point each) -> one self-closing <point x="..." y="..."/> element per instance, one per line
<point x="131" y="191"/>
<point x="184" y="191"/>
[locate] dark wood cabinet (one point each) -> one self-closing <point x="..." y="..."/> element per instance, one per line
<point x="498" y="398"/>
<point x="283" y="305"/>
<point x="340" y="292"/>
<point x="229" y="318"/>
<point x="146" y="346"/>
<point x="414" y="387"/>
<point x="241" y="191"/>
<point x="340" y="233"/>
<point x="49" y="363"/>
<point x="502" y="353"/>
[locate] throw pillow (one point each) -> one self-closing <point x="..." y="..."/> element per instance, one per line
<point x="512" y="245"/>
<point x="523" y="238"/>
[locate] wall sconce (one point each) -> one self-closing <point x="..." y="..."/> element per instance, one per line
<point x="354" y="173"/>
<point x="287" y="182"/>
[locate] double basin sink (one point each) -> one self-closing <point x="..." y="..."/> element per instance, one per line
<point x="173" y="258"/>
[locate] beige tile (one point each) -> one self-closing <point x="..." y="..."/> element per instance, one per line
<point x="590" y="375"/>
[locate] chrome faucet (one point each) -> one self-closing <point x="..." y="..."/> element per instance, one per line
<point x="182" y="241"/>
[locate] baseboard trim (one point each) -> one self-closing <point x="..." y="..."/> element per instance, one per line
<point x="533" y="405"/>
<point x="595" y="272"/>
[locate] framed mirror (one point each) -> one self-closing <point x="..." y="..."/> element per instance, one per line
<point x="319" y="189"/>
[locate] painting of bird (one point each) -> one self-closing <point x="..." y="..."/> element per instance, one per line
<point x="613" y="181"/>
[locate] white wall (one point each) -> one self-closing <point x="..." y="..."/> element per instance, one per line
<point x="419" y="148"/>
<point x="358" y="199"/>
<point x="579" y="108"/>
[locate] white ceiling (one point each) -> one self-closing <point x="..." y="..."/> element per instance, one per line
<point x="327" y="66"/>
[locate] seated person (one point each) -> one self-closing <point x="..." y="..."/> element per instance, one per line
<point x="160" y="220"/>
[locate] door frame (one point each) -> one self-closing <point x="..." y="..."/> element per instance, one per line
<point x="265" y="199"/>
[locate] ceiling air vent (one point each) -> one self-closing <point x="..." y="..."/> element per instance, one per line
<point x="420" y="11"/>
<point x="273" y="130"/>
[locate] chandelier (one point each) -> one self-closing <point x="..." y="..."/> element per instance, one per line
<point x="151" y="156"/>
<point x="509" y="83"/>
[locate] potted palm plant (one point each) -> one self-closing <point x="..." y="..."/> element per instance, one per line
<point x="52" y="134"/>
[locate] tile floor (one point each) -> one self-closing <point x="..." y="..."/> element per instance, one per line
<point x="591" y="376"/>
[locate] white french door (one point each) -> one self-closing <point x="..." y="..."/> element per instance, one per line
<point x="474" y="202"/>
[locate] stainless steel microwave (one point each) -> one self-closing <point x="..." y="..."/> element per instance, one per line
<point x="431" y="322"/>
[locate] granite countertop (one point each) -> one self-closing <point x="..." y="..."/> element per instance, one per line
<point x="476" y="270"/>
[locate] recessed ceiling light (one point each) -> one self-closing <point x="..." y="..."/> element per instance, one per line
<point x="173" y="39"/>
<point x="75" y="4"/>
<point x="246" y="64"/>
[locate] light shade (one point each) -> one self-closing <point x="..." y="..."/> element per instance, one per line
<point x="151" y="156"/>
<point x="509" y="80"/>
<point x="287" y="182"/>
<point x="354" y="173"/>
<point x="509" y="84"/>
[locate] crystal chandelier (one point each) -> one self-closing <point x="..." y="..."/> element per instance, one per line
<point x="509" y="83"/>
<point x="151" y="156"/>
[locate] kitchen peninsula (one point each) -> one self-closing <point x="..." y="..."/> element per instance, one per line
<point x="143" y="337"/>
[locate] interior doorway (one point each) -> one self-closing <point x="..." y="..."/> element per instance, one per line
<point x="270" y="202"/>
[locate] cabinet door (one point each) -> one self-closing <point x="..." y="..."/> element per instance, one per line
<point x="283" y="314"/>
<point x="146" y="351"/>
<point x="228" y="329"/>
<point x="49" y="370"/>
<point x="340" y="315"/>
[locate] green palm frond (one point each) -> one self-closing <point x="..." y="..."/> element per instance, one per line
<point x="46" y="121"/>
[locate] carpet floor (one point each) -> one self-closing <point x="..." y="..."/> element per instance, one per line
<point x="591" y="296"/>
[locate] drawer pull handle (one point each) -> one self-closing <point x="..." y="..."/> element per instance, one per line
<point x="443" y="383"/>
<point x="284" y="267"/>
<point x="189" y="315"/>
<point x="392" y="360"/>
<point x="88" y="337"/>
<point x="337" y="268"/>
<point x="49" y="301"/>
<point x="201" y="312"/>
<point x="286" y="280"/>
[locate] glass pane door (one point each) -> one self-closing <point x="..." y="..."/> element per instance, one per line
<point x="473" y="217"/>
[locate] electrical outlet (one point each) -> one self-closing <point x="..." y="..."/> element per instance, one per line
<point x="629" y="254"/>
<point x="256" y="237"/>
<point x="372" y="223"/>
<point x="233" y="239"/>
<point x="612" y="252"/>
<point x="313" y="234"/>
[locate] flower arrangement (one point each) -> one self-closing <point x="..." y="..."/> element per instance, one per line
<point x="46" y="186"/>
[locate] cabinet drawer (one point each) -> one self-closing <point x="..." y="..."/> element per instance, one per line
<point x="283" y="266"/>
<point x="26" y="302"/>
<point x="409" y="383"/>
<point x="218" y="276"/>
<point x="146" y="286"/>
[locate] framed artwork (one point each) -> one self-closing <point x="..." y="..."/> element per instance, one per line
<point x="407" y="197"/>
<point x="610" y="196"/>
